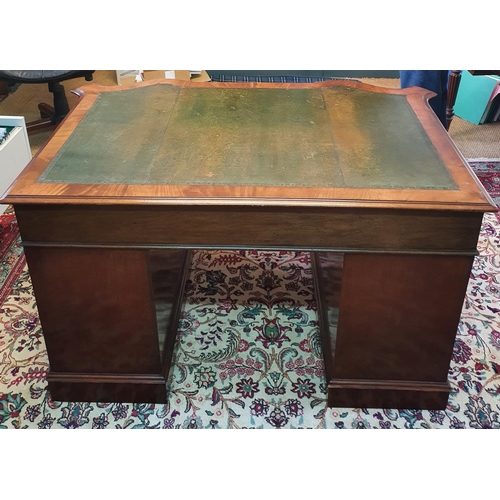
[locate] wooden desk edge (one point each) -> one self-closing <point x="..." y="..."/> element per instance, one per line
<point x="256" y="202"/>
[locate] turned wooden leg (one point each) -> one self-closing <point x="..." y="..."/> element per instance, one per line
<point x="453" y="83"/>
<point x="99" y="321"/>
<point x="398" y="318"/>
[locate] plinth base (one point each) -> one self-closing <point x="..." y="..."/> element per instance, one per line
<point x="107" y="388"/>
<point x="384" y="394"/>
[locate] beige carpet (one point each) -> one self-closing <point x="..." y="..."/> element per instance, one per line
<point x="474" y="141"/>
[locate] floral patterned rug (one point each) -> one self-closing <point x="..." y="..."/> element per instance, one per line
<point x="247" y="353"/>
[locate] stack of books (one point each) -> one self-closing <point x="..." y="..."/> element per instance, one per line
<point x="478" y="98"/>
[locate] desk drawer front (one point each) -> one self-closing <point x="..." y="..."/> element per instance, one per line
<point x="304" y="228"/>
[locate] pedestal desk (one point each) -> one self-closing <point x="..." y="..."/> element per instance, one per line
<point x="136" y="177"/>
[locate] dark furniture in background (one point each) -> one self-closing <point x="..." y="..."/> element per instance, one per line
<point x="51" y="115"/>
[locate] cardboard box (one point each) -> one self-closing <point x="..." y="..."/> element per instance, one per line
<point x="180" y="74"/>
<point x="201" y="76"/>
<point x="128" y="76"/>
<point x="177" y="74"/>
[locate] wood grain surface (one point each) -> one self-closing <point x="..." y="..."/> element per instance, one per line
<point x="299" y="228"/>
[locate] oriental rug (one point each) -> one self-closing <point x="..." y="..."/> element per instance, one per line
<point x="248" y="352"/>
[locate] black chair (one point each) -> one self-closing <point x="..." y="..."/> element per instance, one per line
<point x="50" y="115"/>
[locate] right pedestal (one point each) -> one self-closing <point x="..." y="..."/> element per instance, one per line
<point x="398" y="316"/>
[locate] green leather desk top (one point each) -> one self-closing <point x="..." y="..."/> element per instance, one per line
<point x="316" y="137"/>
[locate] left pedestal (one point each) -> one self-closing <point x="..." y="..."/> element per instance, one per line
<point x="98" y="315"/>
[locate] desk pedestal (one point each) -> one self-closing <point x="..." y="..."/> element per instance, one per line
<point x="390" y="347"/>
<point x="397" y="320"/>
<point x="97" y="309"/>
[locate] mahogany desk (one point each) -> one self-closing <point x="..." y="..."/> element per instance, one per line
<point x="135" y="177"/>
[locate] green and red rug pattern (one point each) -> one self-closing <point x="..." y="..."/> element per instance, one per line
<point x="248" y="352"/>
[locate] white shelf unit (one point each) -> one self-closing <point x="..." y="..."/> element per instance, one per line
<point x="15" y="153"/>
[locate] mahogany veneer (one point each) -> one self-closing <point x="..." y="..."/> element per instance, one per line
<point x="365" y="177"/>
